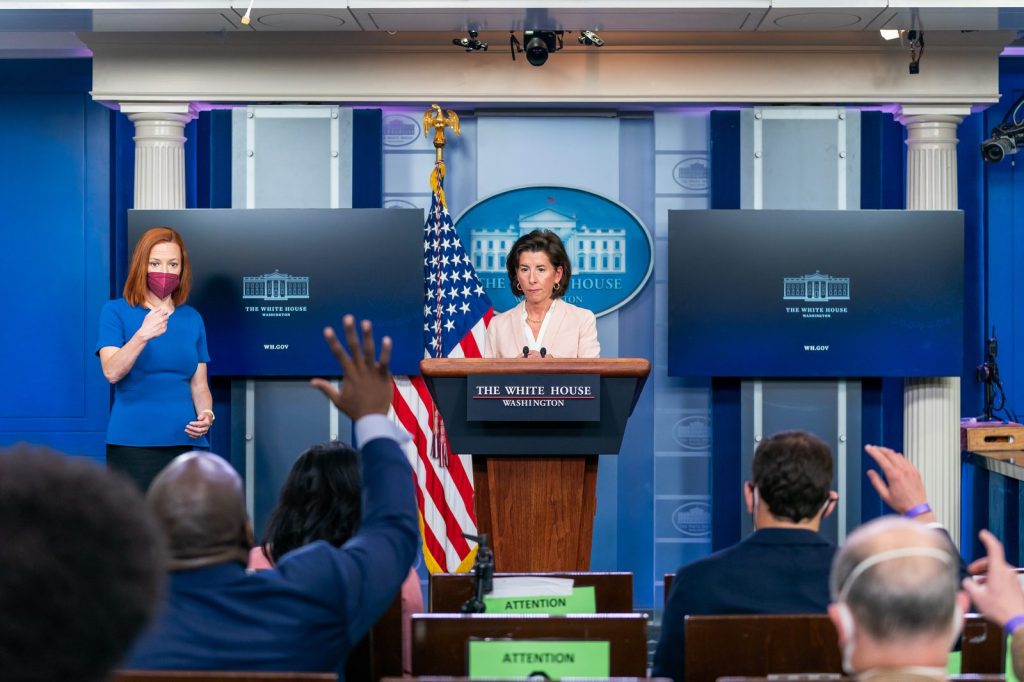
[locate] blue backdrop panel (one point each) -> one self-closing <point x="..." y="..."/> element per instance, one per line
<point x="54" y="187"/>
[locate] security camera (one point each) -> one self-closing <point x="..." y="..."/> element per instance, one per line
<point x="1005" y="139"/>
<point x="539" y="44"/>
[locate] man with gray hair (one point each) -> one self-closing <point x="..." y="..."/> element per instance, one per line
<point x="895" y="601"/>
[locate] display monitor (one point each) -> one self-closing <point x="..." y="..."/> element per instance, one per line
<point x="267" y="281"/>
<point x="771" y="293"/>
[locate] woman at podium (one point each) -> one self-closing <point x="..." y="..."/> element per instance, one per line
<point x="542" y="324"/>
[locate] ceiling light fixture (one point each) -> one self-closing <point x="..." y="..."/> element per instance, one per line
<point x="590" y="38"/>
<point x="472" y="43"/>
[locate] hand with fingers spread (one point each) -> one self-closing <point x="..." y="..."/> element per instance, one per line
<point x="366" y="386"/>
<point x="1000" y="598"/>
<point x="902" y="487"/>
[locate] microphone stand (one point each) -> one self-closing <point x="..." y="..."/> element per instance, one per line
<point x="483" y="574"/>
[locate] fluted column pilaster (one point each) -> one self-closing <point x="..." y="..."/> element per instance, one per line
<point x="931" y="406"/>
<point x="159" y="152"/>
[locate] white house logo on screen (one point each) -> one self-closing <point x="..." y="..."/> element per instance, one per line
<point x="817" y="288"/>
<point x="692" y="174"/>
<point x="693" y="519"/>
<point x="609" y="249"/>
<point x="400" y="130"/>
<point x="272" y="288"/>
<point x="693" y="433"/>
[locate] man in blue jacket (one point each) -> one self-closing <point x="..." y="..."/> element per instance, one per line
<point x="307" y="613"/>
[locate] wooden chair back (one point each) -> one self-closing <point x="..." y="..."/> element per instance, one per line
<point x="613" y="591"/>
<point x="760" y="645"/>
<point x="439" y="641"/>
<point x="752" y="645"/>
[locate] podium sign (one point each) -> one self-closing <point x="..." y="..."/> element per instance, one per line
<point x="533" y="397"/>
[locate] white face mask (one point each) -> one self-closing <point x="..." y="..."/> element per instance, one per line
<point x="846" y="616"/>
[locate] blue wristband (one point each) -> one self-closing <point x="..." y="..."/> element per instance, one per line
<point x="1013" y="624"/>
<point x="917" y="510"/>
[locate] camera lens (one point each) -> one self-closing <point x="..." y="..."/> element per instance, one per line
<point x="536" y="51"/>
<point x="994" y="150"/>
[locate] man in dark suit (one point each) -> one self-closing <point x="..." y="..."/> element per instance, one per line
<point x="308" y="612"/>
<point x="783" y="567"/>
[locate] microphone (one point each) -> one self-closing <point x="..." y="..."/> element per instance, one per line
<point x="526" y="351"/>
<point x="543" y="352"/>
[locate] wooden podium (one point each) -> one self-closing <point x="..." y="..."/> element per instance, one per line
<point x="536" y="481"/>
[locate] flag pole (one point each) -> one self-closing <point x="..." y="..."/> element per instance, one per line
<point x="435" y="118"/>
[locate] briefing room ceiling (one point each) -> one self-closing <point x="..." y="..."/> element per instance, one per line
<point x="153" y="50"/>
<point x="50" y="16"/>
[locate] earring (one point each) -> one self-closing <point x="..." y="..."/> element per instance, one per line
<point x="516" y="288"/>
<point x="557" y="284"/>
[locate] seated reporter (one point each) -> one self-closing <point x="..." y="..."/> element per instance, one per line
<point x="319" y="600"/>
<point x="81" y="567"/>
<point x="895" y="602"/>
<point x="542" y="324"/>
<point x="320" y="500"/>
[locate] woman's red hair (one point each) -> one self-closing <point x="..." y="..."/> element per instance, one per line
<point x="135" y="285"/>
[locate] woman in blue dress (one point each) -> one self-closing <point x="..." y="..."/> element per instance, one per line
<point x="153" y="350"/>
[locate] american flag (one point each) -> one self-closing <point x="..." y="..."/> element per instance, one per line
<point x="456" y="312"/>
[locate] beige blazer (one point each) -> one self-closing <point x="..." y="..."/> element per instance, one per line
<point x="571" y="333"/>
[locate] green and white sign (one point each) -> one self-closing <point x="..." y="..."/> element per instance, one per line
<point x="507" y="658"/>
<point x="581" y="600"/>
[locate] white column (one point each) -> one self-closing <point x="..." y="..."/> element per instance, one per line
<point x="931" y="406"/>
<point x="159" y="152"/>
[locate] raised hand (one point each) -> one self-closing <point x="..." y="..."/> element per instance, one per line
<point x="902" y="488"/>
<point x="154" y="324"/>
<point x="1000" y="597"/>
<point x="366" y="387"/>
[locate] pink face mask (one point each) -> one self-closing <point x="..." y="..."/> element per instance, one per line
<point x="162" y="283"/>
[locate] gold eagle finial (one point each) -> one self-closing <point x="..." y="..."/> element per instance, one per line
<point x="438" y="120"/>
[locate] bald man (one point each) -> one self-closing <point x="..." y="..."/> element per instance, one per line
<point x="896" y="602"/>
<point x="307" y="613"/>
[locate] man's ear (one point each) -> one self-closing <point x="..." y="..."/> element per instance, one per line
<point x="838" y="621"/>
<point x="963" y="600"/>
<point x="748" y="496"/>
<point x="831" y="503"/>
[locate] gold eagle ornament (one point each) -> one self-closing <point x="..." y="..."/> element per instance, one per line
<point x="438" y="120"/>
